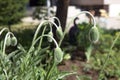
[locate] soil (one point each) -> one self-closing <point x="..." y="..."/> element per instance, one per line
<point x="78" y="64"/>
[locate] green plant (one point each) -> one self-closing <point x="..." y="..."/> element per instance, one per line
<point x="106" y="55"/>
<point x="36" y="63"/>
<point x="88" y="35"/>
<point x="11" y="11"/>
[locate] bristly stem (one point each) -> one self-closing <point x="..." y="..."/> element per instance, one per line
<point x="40" y="43"/>
<point x="4" y="30"/>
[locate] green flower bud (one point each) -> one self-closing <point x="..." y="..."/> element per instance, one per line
<point x="94" y="34"/>
<point x="58" y="55"/>
<point x="51" y="34"/>
<point x="8" y="41"/>
<point x="59" y="32"/>
<point x="13" y="41"/>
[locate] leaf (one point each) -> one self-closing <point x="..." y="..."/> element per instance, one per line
<point x="12" y="54"/>
<point x="20" y="47"/>
<point x="62" y="75"/>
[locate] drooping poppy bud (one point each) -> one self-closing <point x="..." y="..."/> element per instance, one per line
<point x="13" y="41"/>
<point x="94" y="34"/>
<point x="58" y="55"/>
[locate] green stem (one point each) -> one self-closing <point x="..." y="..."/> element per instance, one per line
<point x="108" y="55"/>
<point x="60" y="42"/>
<point x="5" y="41"/>
<point x="37" y="31"/>
<point x="40" y="43"/>
<point x="4" y="30"/>
<point x="39" y="39"/>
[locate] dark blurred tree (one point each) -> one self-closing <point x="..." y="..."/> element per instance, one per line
<point x="11" y="11"/>
<point x="62" y="8"/>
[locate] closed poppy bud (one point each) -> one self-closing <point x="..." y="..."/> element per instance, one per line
<point x="59" y="32"/>
<point x="50" y="34"/>
<point x="94" y="34"/>
<point x="58" y="55"/>
<point x="13" y="41"/>
<point x="8" y="41"/>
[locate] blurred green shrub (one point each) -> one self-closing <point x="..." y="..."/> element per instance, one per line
<point x="11" y="11"/>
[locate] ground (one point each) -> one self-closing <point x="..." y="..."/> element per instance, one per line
<point x="79" y="65"/>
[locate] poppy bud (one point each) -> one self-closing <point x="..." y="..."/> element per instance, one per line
<point x="58" y="55"/>
<point x="94" y="34"/>
<point x="13" y="41"/>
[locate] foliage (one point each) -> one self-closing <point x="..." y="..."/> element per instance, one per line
<point x="39" y="61"/>
<point x="35" y="63"/>
<point x="83" y="37"/>
<point x="106" y="54"/>
<point x="11" y="11"/>
<point x="86" y="37"/>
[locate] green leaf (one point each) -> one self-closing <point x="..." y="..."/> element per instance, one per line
<point x="61" y="75"/>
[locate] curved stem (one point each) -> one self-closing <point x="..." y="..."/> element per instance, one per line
<point x="37" y="31"/>
<point x="40" y="38"/>
<point x="39" y="27"/>
<point x="53" y="23"/>
<point x="4" y="46"/>
<point x="57" y="20"/>
<point x="83" y="12"/>
<point x="40" y="43"/>
<point x="4" y="30"/>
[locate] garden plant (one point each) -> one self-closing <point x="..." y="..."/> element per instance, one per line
<point x="39" y="61"/>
